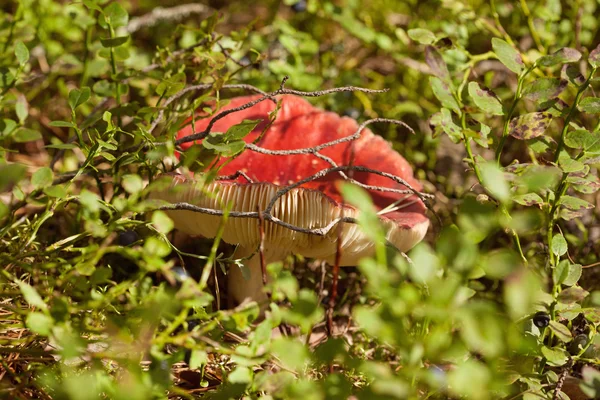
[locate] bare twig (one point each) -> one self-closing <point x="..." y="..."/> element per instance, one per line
<point x="160" y="14"/>
<point x="261" y="246"/>
<point x="188" y="89"/>
<point x="561" y="379"/>
<point x="253" y="214"/>
<point x="281" y="91"/>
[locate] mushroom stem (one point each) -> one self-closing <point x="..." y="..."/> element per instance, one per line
<point x="242" y="289"/>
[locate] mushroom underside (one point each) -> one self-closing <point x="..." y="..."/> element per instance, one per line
<point x="300" y="207"/>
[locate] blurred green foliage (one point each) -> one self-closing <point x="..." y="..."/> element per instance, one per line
<point x="499" y="301"/>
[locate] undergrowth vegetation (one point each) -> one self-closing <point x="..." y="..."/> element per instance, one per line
<point x="102" y="298"/>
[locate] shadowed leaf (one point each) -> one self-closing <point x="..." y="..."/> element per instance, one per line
<point x="594" y="57"/>
<point x="438" y="66"/>
<point x="572" y="74"/>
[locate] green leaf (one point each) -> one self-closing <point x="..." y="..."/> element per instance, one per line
<point x="508" y="55"/>
<point x="241" y="130"/>
<point x="572" y="74"/>
<point x="470" y="379"/>
<point x="436" y="63"/>
<point x="162" y="222"/>
<point x="116" y="15"/>
<point x="590" y="105"/>
<point x="485" y="99"/>
<point x="425" y="264"/>
<point x="443" y="120"/>
<point x="31" y="295"/>
<point x="559" y="245"/>
<point x="442" y="92"/>
<point x="560" y="272"/>
<point x="23" y="135"/>
<point x="62" y="124"/>
<point x="521" y="292"/>
<point x="292" y="353"/>
<point x="197" y="359"/>
<point x="57" y="191"/>
<point x="172" y="85"/>
<point x="561" y="331"/>
<point x="481" y="330"/>
<point x="575" y="271"/>
<point x="132" y="183"/>
<point x="568" y="165"/>
<point x="42" y="178"/>
<point x="240" y="375"/>
<point x="21" y="52"/>
<point x="494" y="181"/>
<point x="22" y="109"/>
<point x="78" y="97"/>
<point x="594" y="57"/>
<point x="556" y="356"/>
<point x="544" y="89"/>
<point x="529" y="199"/>
<point x="89" y="200"/>
<point x="423" y="36"/>
<point x="573" y="294"/>
<point x="574" y="203"/>
<point x="91" y="4"/>
<point x="39" y="323"/>
<point x="114" y="42"/>
<point x="529" y="126"/>
<point x="561" y="56"/>
<point x="10" y="174"/>
<point x="583" y="140"/>
<point x="591" y="376"/>
<point x="215" y="142"/>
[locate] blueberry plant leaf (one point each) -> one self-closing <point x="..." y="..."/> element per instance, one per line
<point x="544" y="89"/>
<point x="485" y="99"/>
<point x="508" y="55"/>
<point x="560" y="56"/>
<point x="529" y="126"/>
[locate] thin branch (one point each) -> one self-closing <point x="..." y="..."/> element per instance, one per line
<point x="281" y="91"/>
<point x="253" y="214"/>
<point x="160" y="14"/>
<point x="205" y="86"/>
<point x="266" y="213"/>
<point x="323" y="173"/>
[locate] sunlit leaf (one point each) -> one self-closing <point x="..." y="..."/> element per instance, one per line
<point x="529" y="126"/>
<point x="561" y="56"/>
<point x="421" y="35"/>
<point x="508" y="55"/>
<point x="485" y="99"/>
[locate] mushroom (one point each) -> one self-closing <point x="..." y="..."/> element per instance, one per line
<point x="312" y="204"/>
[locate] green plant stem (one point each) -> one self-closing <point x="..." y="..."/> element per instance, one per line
<point x="467" y="142"/>
<point x="534" y="35"/>
<point x="503" y="208"/>
<point x="513" y="106"/>
<point x="582" y="88"/>
<point x="113" y="64"/>
<point x="497" y="21"/>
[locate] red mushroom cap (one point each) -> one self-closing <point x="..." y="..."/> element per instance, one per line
<point x="300" y="125"/>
